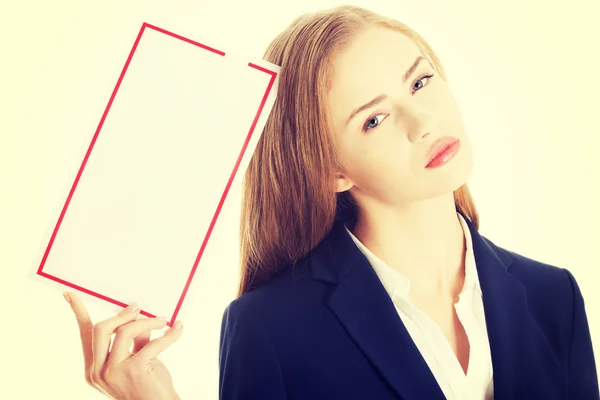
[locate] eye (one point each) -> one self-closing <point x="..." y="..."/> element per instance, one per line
<point x="373" y="122"/>
<point x="417" y="87"/>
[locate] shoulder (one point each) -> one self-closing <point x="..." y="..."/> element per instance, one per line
<point x="552" y="290"/>
<point x="554" y="302"/>
<point x="283" y="300"/>
<point x="535" y="273"/>
<point x="538" y="277"/>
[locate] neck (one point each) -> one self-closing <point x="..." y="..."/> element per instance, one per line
<point x="422" y="240"/>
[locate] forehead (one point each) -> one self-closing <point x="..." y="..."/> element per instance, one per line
<point x="371" y="59"/>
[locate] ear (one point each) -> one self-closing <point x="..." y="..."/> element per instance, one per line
<point x="342" y="183"/>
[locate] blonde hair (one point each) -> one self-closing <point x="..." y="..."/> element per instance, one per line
<point x="289" y="201"/>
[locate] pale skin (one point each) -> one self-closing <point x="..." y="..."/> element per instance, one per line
<point x="408" y="218"/>
<point x="407" y="213"/>
<point x="122" y="374"/>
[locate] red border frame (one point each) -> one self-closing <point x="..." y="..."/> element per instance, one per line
<point x="145" y="25"/>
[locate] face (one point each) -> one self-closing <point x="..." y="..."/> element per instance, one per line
<point x="385" y="126"/>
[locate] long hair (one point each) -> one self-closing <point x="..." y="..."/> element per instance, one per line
<point x="289" y="203"/>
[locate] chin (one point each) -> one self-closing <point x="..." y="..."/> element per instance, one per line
<point x="449" y="177"/>
<point x="429" y="183"/>
<point x="459" y="173"/>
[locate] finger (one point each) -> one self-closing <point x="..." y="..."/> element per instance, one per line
<point x="85" y="327"/>
<point x="140" y="341"/>
<point x="125" y="334"/>
<point x="156" y="346"/>
<point x="101" y="336"/>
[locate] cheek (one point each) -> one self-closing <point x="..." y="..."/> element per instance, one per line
<point x="451" y="118"/>
<point x="375" y="159"/>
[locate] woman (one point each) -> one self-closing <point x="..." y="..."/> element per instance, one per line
<point x="363" y="273"/>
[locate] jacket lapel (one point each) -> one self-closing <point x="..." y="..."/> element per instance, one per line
<point x="521" y="354"/>
<point x="520" y="351"/>
<point x="364" y="308"/>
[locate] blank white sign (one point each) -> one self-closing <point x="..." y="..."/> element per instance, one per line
<point x="181" y="124"/>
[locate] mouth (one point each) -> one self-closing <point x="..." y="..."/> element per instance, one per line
<point x="442" y="151"/>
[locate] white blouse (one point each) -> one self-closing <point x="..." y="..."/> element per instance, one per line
<point x="477" y="384"/>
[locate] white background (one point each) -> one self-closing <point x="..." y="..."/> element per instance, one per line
<point x="524" y="73"/>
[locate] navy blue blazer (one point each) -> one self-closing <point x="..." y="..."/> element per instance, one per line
<point x="325" y="328"/>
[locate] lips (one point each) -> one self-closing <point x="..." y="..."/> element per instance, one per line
<point x="439" y="146"/>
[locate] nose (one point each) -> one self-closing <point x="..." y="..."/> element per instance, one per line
<point x="416" y="120"/>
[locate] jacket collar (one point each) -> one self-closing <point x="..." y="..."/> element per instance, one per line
<point x="363" y="306"/>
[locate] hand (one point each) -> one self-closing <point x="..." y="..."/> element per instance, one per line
<point x="119" y="373"/>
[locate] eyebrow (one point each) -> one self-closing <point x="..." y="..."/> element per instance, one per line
<point x="413" y="67"/>
<point x="378" y="99"/>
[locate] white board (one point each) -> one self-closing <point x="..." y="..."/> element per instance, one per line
<point x="178" y="130"/>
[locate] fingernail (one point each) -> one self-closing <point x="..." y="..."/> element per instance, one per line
<point x="67" y="298"/>
<point x="178" y="325"/>
<point x="133" y="308"/>
<point x="163" y="320"/>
